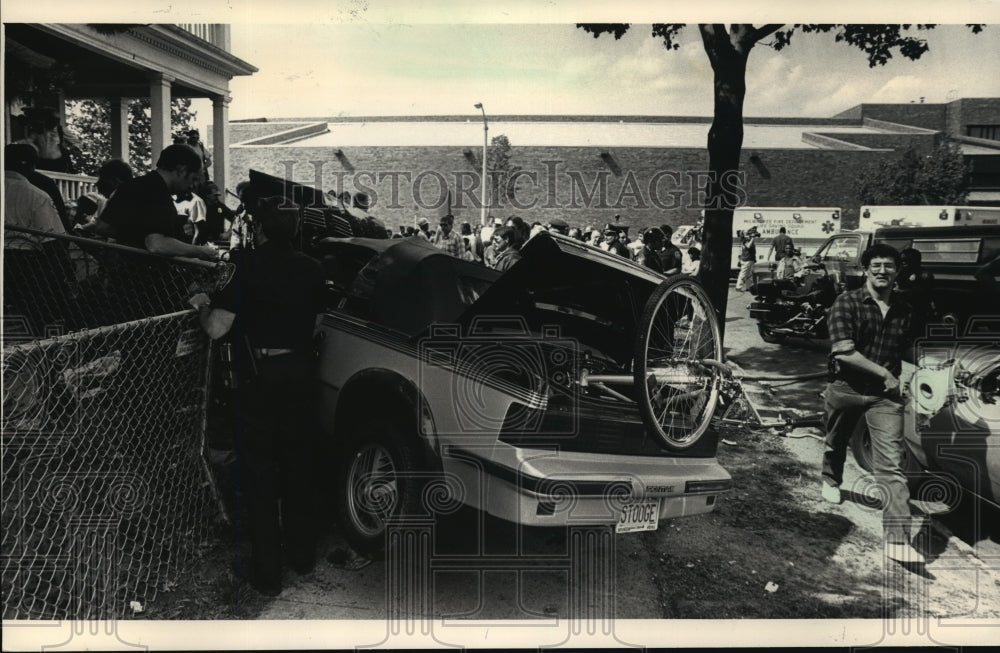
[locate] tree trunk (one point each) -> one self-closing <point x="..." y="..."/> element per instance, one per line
<point x="725" y="141"/>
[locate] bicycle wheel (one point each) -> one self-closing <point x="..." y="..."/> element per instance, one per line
<point x="677" y="391"/>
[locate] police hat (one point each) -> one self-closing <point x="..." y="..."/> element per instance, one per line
<point x="558" y="224"/>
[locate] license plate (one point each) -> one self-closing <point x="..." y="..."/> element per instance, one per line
<point x="639" y="516"/>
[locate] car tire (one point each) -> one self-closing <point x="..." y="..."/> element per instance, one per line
<point x="769" y="336"/>
<point x="861" y="448"/>
<point x="381" y="479"/>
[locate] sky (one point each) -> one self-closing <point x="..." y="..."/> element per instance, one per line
<point x="439" y="57"/>
<point x="417" y="69"/>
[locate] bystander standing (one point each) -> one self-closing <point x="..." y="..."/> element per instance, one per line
<point x="870" y="335"/>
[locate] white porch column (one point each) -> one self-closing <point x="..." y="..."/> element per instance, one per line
<point x="159" y="101"/>
<point x="119" y="128"/>
<point x="220" y="140"/>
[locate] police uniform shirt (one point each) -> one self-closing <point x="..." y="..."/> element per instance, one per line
<point x="275" y="293"/>
<point x="141" y="207"/>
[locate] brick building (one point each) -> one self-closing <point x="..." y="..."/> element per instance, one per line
<point x="588" y="169"/>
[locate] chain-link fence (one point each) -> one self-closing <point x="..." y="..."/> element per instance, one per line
<point x="106" y="492"/>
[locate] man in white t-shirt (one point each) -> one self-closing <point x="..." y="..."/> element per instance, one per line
<point x="24" y="204"/>
<point x="193" y="208"/>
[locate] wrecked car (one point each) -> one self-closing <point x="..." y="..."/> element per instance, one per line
<point x="576" y="388"/>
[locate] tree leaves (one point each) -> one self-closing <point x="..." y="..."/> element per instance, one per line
<point x="501" y="170"/>
<point x="90" y="121"/>
<point x="668" y="33"/>
<point x="617" y="29"/>
<point x="937" y="177"/>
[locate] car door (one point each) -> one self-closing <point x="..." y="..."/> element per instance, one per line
<point x="841" y="256"/>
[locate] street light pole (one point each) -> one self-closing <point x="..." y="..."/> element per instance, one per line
<point x="486" y="128"/>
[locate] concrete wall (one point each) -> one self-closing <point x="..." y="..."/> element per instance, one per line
<point x="901" y="142"/>
<point x="247" y="131"/>
<point x="928" y="116"/>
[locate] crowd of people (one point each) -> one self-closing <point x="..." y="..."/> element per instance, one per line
<point x="175" y="202"/>
<point x="497" y="244"/>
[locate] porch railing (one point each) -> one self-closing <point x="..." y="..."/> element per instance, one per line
<point x="71" y="186"/>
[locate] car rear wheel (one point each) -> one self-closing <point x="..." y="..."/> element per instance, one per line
<point x="677" y="389"/>
<point x="380" y="481"/>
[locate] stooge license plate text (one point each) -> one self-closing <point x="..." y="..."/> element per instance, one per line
<point x="639" y="516"/>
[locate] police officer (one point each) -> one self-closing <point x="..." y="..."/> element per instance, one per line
<point x="269" y="308"/>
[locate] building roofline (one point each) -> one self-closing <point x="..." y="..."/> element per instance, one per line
<point x="224" y="58"/>
<point x="637" y="119"/>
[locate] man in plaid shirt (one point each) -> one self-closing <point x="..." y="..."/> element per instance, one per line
<point x="870" y="332"/>
<point x="447" y="239"/>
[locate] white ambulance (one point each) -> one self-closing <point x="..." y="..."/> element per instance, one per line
<point x="874" y="217"/>
<point x="807" y="226"/>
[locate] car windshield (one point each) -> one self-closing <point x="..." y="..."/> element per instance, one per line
<point x="841" y="249"/>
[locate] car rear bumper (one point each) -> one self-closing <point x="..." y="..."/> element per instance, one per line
<point x="566" y="488"/>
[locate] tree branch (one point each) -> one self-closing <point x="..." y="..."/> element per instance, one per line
<point x="763" y="32"/>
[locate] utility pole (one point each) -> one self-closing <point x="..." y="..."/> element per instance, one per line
<point x="486" y="128"/>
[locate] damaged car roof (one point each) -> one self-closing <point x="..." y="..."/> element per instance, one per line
<point x="409" y="284"/>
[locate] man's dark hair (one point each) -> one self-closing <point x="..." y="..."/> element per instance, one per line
<point x="521" y="229"/>
<point x="652" y="237"/>
<point x="667" y="230"/>
<point x="781" y="230"/>
<point x="880" y="250"/>
<point x="694" y="253"/>
<point x="176" y="155"/>
<point x="911" y="256"/>
<point x="115" y="169"/>
<point x="112" y="174"/>
<point x="20" y="157"/>
<point x="509" y="234"/>
<point x="278" y="221"/>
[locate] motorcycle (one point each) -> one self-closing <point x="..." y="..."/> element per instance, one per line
<point x="794" y="307"/>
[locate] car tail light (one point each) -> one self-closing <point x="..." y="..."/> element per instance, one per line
<point x="704" y="487"/>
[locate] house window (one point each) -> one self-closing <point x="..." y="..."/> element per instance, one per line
<point x="991" y="132"/>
